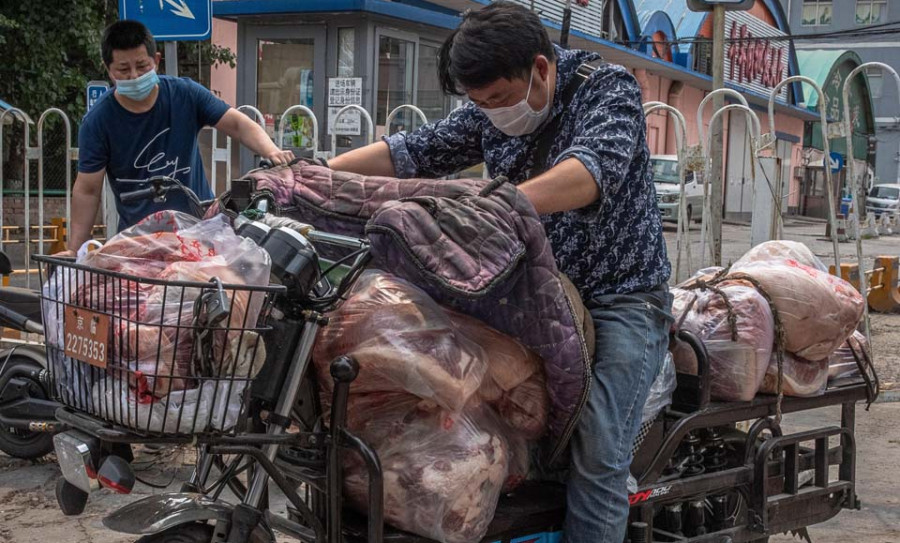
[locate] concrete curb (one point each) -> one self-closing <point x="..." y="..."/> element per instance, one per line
<point x="889" y="396"/>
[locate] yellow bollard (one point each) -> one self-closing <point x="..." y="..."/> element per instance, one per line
<point x="884" y="296"/>
<point x="59" y="244"/>
<point x="849" y="273"/>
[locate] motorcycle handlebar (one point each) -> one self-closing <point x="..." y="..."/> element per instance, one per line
<point x="140" y="194"/>
<point x="19" y="321"/>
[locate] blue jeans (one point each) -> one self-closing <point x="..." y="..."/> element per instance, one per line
<point x="632" y="338"/>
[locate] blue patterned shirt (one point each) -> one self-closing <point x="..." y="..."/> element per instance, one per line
<point x="612" y="246"/>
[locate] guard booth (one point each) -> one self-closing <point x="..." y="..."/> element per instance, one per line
<point x="324" y="56"/>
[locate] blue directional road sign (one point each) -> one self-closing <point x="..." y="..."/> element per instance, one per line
<point x="95" y="90"/>
<point x="171" y="20"/>
<point x="836" y="162"/>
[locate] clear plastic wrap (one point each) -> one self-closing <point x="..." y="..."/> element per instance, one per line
<point x="443" y="471"/>
<point x="781" y="250"/>
<point x="661" y="390"/>
<point x="801" y="378"/>
<point x="737" y="368"/>
<point x="819" y="311"/>
<point x="403" y="342"/>
<point x="215" y="405"/>
<point x="842" y="363"/>
<point x="451" y="405"/>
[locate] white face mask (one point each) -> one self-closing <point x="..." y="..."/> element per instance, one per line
<point x="519" y="119"/>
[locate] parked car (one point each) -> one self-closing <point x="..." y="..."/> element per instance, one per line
<point x="666" y="180"/>
<point x="883" y="198"/>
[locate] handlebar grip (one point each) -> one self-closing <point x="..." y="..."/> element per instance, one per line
<point x="19" y="321"/>
<point x="265" y="163"/>
<point x="135" y="195"/>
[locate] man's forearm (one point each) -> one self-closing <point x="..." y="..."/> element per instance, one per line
<point x="566" y="186"/>
<point x="84" y="211"/>
<point x="374" y="159"/>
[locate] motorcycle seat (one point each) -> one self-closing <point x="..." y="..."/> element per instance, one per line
<point x="23" y="301"/>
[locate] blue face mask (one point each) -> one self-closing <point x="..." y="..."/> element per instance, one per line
<point x="137" y="89"/>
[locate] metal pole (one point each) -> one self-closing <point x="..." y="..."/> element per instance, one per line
<point x="172" y="58"/>
<point x="566" y="25"/>
<point x="682" y="236"/>
<point x="854" y="183"/>
<point x="369" y="125"/>
<point x="826" y="149"/>
<point x="716" y="147"/>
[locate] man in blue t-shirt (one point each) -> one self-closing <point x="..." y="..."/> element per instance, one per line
<point x="147" y="126"/>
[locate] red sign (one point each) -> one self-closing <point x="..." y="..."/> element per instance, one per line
<point x="86" y="336"/>
<point x="754" y="61"/>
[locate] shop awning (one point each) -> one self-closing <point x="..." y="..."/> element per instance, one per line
<point x="414" y="12"/>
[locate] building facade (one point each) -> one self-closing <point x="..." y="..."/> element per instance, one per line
<point x="380" y="55"/>
<point x="862" y="22"/>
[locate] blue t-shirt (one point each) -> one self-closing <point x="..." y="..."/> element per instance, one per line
<point x="134" y="147"/>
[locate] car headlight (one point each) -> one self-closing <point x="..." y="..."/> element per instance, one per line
<point x="669" y="198"/>
<point x="74" y="453"/>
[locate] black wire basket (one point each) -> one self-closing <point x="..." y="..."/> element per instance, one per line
<point x="158" y="357"/>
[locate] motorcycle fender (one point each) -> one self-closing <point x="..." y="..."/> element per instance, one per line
<point x="160" y="512"/>
<point x="36" y="354"/>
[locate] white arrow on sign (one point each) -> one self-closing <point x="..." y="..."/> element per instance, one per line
<point x="180" y="8"/>
<point x="835" y="164"/>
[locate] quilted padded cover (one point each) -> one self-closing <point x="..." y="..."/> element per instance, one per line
<point x="474" y="245"/>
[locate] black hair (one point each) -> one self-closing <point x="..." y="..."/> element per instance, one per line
<point x="500" y="40"/>
<point x="125" y="35"/>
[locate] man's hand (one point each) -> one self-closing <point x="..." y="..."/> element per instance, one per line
<point x="279" y="157"/>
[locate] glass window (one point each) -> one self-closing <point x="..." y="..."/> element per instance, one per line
<point x="429" y="96"/>
<point x="871" y="12"/>
<point x="816" y="13"/>
<point x="876" y="82"/>
<point x="285" y="78"/>
<point x="395" y="82"/>
<point x="346" y="50"/>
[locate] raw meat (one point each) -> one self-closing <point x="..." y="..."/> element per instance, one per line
<point x="801" y="378"/>
<point x="443" y="471"/>
<point x="403" y="342"/>
<point x="737" y="368"/>
<point x="819" y="311"/>
<point x="775" y="250"/>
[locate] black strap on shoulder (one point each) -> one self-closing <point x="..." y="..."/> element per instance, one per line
<point x="545" y="140"/>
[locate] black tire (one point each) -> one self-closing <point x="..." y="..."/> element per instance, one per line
<point x="184" y="533"/>
<point x="196" y="532"/>
<point x="17" y="442"/>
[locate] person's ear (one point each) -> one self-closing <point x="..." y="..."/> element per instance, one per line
<point x="543" y="66"/>
<point x="157" y="57"/>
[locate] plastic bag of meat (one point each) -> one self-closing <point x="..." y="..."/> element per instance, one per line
<point x="403" y="341"/>
<point x="800" y="378"/>
<point x="443" y="471"/>
<point x="781" y="250"/>
<point x="842" y="363"/>
<point x="152" y="334"/>
<point x="819" y="311"/>
<point x="737" y="368"/>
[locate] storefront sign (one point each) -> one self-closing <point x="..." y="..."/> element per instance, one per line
<point x="344" y="91"/>
<point x="756" y="55"/>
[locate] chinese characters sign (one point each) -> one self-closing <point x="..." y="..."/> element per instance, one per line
<point x="344" y="91"/>
<point x="86" y="336"/>
<point x="756" y="55"/>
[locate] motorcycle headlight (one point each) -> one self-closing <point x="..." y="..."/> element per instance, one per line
<point x="74" y="452"/>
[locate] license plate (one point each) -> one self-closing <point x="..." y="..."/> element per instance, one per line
<point x="87" y="336"/>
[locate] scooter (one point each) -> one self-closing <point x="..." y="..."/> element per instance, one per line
<point x="27" y="412"/>
<point x="700" y="477"/>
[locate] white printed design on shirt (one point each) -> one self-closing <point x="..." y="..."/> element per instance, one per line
<point x="158" y="164"/>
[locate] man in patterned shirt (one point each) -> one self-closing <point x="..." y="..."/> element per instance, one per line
<point x="574" y="142"/>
